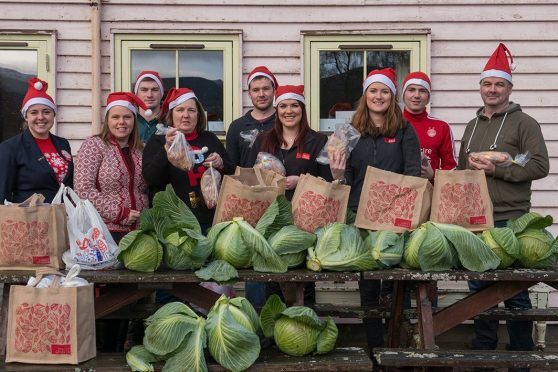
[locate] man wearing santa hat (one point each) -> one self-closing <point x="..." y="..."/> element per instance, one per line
<point x="500" y="126"/>
<point x="149" y="88"/>
<point x="436" y="140"/>
<point x="242" y="131"/>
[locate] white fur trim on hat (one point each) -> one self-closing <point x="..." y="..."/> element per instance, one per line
<point x="422" y="83"/>
<point x="37" y="101"/>
<point x="285" y="96"/>
<point x="496" y="73"/>
<point x="122" y="103"/>
<point x="181" y="99"/>
<point x="256" y="74"/>
<point x="148" y="76"/>
<point x="379" y="78"/>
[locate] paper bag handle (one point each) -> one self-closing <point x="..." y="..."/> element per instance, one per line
<point x="43" y="271"/>
<point x="33" y="200"/>
<point x="258" y="173"/>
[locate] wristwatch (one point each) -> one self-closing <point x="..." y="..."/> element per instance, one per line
<point x="342" y="181"/>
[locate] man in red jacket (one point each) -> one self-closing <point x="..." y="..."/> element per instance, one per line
<point x="435" y="138"/>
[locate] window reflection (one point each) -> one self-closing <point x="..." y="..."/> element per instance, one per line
<point x="16" y="67"/>
<point x="162" y="61"/>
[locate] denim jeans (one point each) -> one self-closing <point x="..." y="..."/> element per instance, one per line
<point x="255" y="293"/>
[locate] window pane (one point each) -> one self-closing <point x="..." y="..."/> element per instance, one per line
<point x="202" y="71"/>
<point x="397" y="60"/>
<point x="162" y="61"/>
<point x="341" y="74"/>
<point x="16" y="67"/>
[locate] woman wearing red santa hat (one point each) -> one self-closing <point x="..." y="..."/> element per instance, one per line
<point x="108" y="166"/>
<point x="35" y="161"/>
<point x="183" y="112"/>
<point x="387" y="142"/>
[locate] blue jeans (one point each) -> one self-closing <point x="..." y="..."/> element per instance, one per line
<point x="255" y="293"/>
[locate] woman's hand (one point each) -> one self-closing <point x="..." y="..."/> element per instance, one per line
<point x="427" y="171"/>
<point x="337" y="163"/>
<point x="292" y="181"/>
<point x="133" y="217"/>
<point x="215" y="159"/>
<point x="169" y="137"/>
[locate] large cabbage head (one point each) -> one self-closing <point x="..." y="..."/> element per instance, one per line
<point x="428" y="249"/>
<point x="386" y="247"/>
<point x="185" y="249"/>
<point x="291" y="244"/>
<point x="339" y="247"/>
<point x="503" y="242"/>
<point x="537" y="248"/>
<point x="140" y="251"/>
<point x="297" y="330"/>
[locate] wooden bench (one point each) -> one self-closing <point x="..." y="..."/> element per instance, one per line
<point x="460" y="359"/>
<point x="340" y="359"/>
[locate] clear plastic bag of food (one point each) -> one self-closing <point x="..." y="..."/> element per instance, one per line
<point x="180" y="154"/>
<point x="502" y="159"/>
<point x="269" y="162"/>
<point x="345" y="137"/>
<point x="249" y="136"/>
<point x="210" y="185"/>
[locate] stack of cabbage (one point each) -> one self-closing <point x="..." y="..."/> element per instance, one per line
<point x="537" y="246"/>
<point x="169" y="231"/>
<point x="177" y="335"/>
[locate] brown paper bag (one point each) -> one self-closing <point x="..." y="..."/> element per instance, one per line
<point x="393" y="202"/>
<point x="317" y="202"/>
<point x="247" y="194"/>
<point x="32" y="234"/>
<point x="461" y="198"/>
<point x="51" y="325"/>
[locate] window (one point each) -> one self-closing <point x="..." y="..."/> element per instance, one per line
<point x="21" y="57"/>
<point x="207" y="64"/>
<point x="336" y="65"/>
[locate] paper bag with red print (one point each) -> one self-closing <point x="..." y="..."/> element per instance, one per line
<point x="461" y="198"/>
<point x="317" y="202"/>
<point x="32" y="234"/>
<point x="393" y="202"/>
<point x="247" y="194"/>
<point x="53" y="325"/>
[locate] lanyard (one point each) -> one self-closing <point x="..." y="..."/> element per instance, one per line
<point x="493" y="146"/>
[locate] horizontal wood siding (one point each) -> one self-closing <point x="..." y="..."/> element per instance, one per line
<point x="463" y="34"/>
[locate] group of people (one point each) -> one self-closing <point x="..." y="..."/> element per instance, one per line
<point x="121" y="168"/>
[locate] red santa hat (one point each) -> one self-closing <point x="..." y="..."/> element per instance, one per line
<point x="417" y="78"/>
<point x="262" y="71"/>
<point x="37" y="95"/>
<point x="147" y="74"/>
<point x="128" y="100"/>
<point x="385" y="76"/>
<point x="289" y="92"/>
<point x="498" y="65"/>
<point x="175" y="97"/>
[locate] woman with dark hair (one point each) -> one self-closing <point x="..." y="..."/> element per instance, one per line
<point x="291" y="140"/>
<point x="35" y="161"/>
<point x="387" y="142"/>
<point x="108" y="166"/>
<point x="184" y="113"/>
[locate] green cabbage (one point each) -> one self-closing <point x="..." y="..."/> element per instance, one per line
<point x="278" y="215"/>
<point x="428" y="249"/>
<point x="185" y="249"/>
<point x="339" y="247"/>
<point x="297" y="330"/>
<point x="291" y="244"/>
<point x="140" y="251"/>
<point x="140" y="359"/>
<point x="503" y="242"/>
<point x="537" y="248"/>
<point x="219" y="271"/>
<point x="386" y="247"/>
<point x="531" y="220"/>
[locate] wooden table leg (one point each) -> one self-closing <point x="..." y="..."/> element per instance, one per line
<point x="396" y="317"/>
<point x="424" y="315"/>
<point x="4" y="318"/>
<point x="195" y="294"/>
<point x="118" y="296"/>
<point x="293" y="293"/>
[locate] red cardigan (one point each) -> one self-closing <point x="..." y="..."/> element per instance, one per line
<point x="103" y="176"/>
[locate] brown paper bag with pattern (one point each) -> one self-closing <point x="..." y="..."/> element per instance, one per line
<point x="317" y="202"/>
<point x="51" y="325"/>
<point x="461" y="198"/>
<point x="393" y="202"/>
<point x="32" y="234"/>
<point x="247" y="194"/>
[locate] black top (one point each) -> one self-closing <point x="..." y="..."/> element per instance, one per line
<point x="158" y="172"/>
<point x="299" y="162"/>
<point x="24" y="170"/>
<point x="238" y="148"/>
<point x="400" y="154"/>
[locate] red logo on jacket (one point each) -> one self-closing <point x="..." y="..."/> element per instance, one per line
<point x="303" y="155"/>
<point x="389" y="139"/>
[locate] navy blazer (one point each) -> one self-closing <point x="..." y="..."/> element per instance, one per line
<point x="25" y="171"/>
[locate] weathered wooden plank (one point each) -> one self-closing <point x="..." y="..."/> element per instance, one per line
<point x="472" y="98"/>
<point x="424" y="316"/>
<point x="118" y="296"/>
<point x="74" y="30"/>
<point x="534" y="275"/>
<point x="4" y="319"/>
<point x="476" y="48"/>
<point x="462" y="114"/>
<point x="462" y="81"/>
<point x="47" y="12"/>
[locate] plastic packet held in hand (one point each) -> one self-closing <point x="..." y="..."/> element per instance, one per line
<point x="249" y="136"/>
<point x="502" y="159"/>
<point x="180" y="153"/>
<point x="345" y="137"/>
<point x="210" y="184"/>
<point x="269" y="162"/>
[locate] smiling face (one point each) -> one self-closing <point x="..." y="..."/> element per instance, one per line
<point x="495" y="93"/>
<point x="378" y="98"/>
<point x="150" y="93"/>
<point x="120" y="122"/>
<point x="289" y="112"/>
<point x="415" y="98"/>
<point x="185" y="116"/>
<point x="40" y="119"/>
<point x="261" y="93"/>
